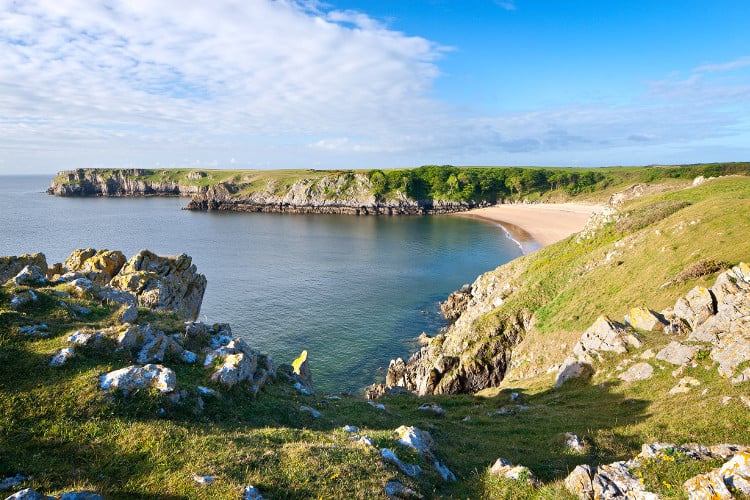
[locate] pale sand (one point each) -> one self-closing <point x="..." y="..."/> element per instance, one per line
<point x="539" y="224"/>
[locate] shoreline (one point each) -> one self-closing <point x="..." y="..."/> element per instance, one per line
<point x="535" y="225"/>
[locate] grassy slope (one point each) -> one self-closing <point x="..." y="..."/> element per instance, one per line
<point x="57" y="427"/>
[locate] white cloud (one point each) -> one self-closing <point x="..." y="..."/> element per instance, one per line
<point x="289" y="83"/>
<point x="506" y="4"/>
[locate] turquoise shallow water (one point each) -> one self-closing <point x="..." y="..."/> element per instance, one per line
<point x="354" y="291"/>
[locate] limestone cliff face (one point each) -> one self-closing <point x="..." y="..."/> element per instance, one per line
<point x="468" y="357"/>
<point x="125" y="182"/>
<point x="351" y="193"/>
<point x="348" y="194"/>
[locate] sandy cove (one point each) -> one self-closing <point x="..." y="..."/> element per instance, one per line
<point x="536" y="225"/>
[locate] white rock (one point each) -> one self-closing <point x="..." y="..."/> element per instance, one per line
<point x="575" y="443"/>
<point x="251" y="493"/>
<point x="351" y="428"/>
<point x="394" y="489"/>
<point x="312" y="411"/>
<point x="62" y="356"/>
<point x="414" y="438"/>
<point x="134" y="377"/>
<point x="203" y="479"/>
<point x="411" y="470"/>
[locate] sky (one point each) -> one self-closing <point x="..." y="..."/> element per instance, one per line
<point x="371" y="83"/>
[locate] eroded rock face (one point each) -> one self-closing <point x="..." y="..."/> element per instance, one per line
<point x="133" y="378"/>
<point x="98" y="266"/>
<point x="644" y="319"/>
<point x="163" y="283"/>
<point x="605" y="335"/>
<point x="456" y="304"/>
<point x="12" y="265"/>
<point x="237" y="362"/>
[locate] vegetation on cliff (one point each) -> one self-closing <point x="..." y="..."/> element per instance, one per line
<point x="440" y="183"/>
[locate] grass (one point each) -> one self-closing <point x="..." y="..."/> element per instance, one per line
<point x="61" y="431"/>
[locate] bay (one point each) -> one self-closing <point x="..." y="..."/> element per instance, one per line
<point x="354" y="291"/>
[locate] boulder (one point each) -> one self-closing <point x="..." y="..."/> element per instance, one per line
<point x="730" y="356"/>
<point x="62" y="356"/>
<point x="414" y="438"/>
<point x="432" y="407"/>
<point x="312" y="411"/>
<point x="684" y="385"/>
<point x="29" y="494"/>
<point x="133" y="378"/>
<point x="639" y="371"/>
<point x="30" y="275"/>
<point x="98" y="266"/>
<point x="21" y="300"/>
<point x="707" y="486"/>
<point x="301" y="367"/>
<point x="163" y="283"/>
<point x="695" y="307"/>
<point x="12" y="482"/>
<point x="394" y="489"/>
<point x="411" y="470"/>
<point x="605" y="335"/>
<point x="237" y="362"/>
<point x="250" y="492"/>
<point x="574" y="443"/>
<point x="10" y="266"/>
<point x="642" y="318"/>
<point x="579" y="482"/>
<point x="570" y="369"/>
<point x="504" y="468"/>
<point x="81" y="495"/>
<point x="677" y="353"/>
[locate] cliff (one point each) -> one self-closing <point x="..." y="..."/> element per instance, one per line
<point x="520" y="321"/>
<point x="125" y="182"/>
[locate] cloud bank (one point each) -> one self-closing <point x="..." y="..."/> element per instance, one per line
<point x="284" y="83"/>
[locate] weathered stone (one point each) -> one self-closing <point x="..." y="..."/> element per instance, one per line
<point x="133" y="378"/>
<point x="444" y="471"/>
<point x="615" y="481"/>
<point x="12" y="482"/>
<point x="432" y="407"/>
<point x="34" y="330"/>
<point x="730" y="356"/>
<point x="742" y="377"/>
<point x="605" y="335"/>
<point x="696" y="307"/>
<point x="684" y="385"/>
<point x="30" y="275"/>
<point x="312" y="411"/>
<point x="570" y="369"/>
<point x="707" y="486"/>
<point x="82" y="338"/>
<point x="411" y="470"/>
<point x="10" y="266"/>
<point x="504" y="468"/>
<point x="639" y="371"/>
<point x="579" y="481"/>
<point x="350" y="428"/>
<point x="250" y="492"/>
<point x="575" y="443"/>
<point x="456" y="304"/>
<point x="62" y="356"/>
<point x="678" y="353"/>
<point x="394" y="489"/>
<point x="99" y="266"/>
<point x="727" y="451"/>
<point x="156" y="346"/>
<point x="163" y="283"/>
<point x="204" y="480"/>
<point x="237" y="362"/>
<point x="29" y="494"/>
<point x="20" y="300"/>
<point x="363" y="440"/>
<point x="644" y="319"/>
<point x="129" y="313"/>
<point x="301" y="368"/>
<point x="414" y="438"/>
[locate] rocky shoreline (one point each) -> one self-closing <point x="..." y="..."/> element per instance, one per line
<point x="330" y="195"/>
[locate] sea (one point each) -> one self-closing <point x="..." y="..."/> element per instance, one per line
<point x="354" y="291"/>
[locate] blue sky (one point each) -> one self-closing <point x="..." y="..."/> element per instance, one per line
<point x="371" y="83"/>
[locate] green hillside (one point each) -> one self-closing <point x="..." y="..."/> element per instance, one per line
<point x="61" y="432"/>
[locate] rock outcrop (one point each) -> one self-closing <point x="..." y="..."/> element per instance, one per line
<point x="122" y="182"/>
<point x="163" y="283"/>
<point x="12" y="265"/>
<point x="465" y="358"/>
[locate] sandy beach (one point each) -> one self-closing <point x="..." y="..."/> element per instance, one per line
<point x="536" y="225"/>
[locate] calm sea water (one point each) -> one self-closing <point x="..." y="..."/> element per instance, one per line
<point x="354" y="291"/>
